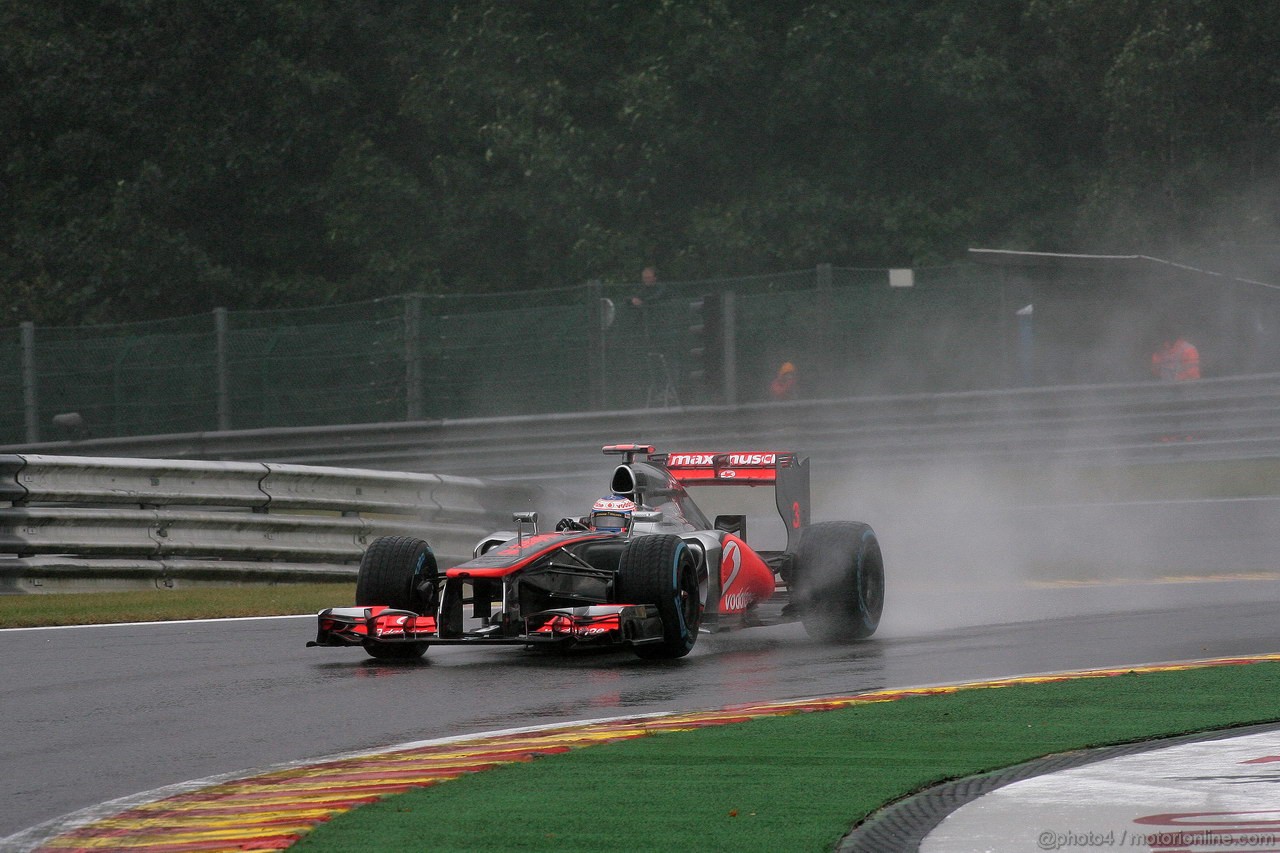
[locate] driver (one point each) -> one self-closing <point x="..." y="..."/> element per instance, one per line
<point x="612" y="514"/>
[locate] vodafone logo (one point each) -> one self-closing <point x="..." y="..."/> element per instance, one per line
<point x="395" y="629"/>
<point x="730" y="564"/>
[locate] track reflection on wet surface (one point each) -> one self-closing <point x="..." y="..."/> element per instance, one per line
<point x="97" y="713"/>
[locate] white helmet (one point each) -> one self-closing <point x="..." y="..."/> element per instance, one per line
<point x="612" y="513"/>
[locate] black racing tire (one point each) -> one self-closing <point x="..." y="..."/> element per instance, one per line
<point x="400" y="572"/>
<point x="838" y="581"/>
<point x="661" y="570"/>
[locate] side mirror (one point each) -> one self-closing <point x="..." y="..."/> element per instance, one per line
<point x="646" y="516"/>
<point x="521" y="519"/>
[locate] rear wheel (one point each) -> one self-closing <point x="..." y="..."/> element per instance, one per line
<point x="661" y="570"/>
<point x="399" y="572"/>
<point x="838" y="581"/>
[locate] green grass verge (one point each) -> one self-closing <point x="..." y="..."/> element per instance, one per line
<point x="796" y="782"/>
<point x="30" y="611"/>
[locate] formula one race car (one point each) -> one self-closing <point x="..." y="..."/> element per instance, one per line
<point x="651" y="581"/>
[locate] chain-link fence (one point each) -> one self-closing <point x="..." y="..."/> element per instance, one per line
<point x="619" y="345"/>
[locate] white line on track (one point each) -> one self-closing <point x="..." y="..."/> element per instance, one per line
<point x="163" y="622"/>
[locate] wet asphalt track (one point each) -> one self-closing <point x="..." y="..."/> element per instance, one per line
<point x="92" y="714"/>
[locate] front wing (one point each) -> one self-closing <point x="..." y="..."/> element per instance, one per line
<point x="601" y="624"/>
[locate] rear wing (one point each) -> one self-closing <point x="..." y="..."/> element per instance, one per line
<point x="786" y="471"/>
<point x="726" y="469"/>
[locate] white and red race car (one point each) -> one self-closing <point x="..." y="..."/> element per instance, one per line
<point x="653" y="585"/>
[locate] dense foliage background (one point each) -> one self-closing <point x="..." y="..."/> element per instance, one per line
<point x="163" y="157"/>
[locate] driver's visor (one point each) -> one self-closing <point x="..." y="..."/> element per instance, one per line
<point x="610" y="520"/>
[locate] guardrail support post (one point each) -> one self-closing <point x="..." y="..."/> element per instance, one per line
<point x="413" y="357"/>
<point x="220" y="365"/>
<point x="30" y="402"/>
<point x="597" y="320"/>
<point x="823" y="368"/>
<point x="1026" y="345"/>
<point x="728" y="336"/>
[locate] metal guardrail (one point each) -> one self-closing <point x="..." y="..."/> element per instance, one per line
<point x="1226" y="418"/>
<point x="103" y="521"/>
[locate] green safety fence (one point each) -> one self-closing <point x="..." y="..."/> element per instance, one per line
<point x="127" y="379"/>
<point x="313" y="367"/>
<point x="849" y="332"/>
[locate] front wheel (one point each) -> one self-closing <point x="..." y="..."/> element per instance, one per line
<point x="838" y="579"/>
<point x="661" y="570"/>
<point x="399" y="572"/>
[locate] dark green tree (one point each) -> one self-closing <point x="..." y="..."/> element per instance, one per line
<point x="164" y="157"/>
